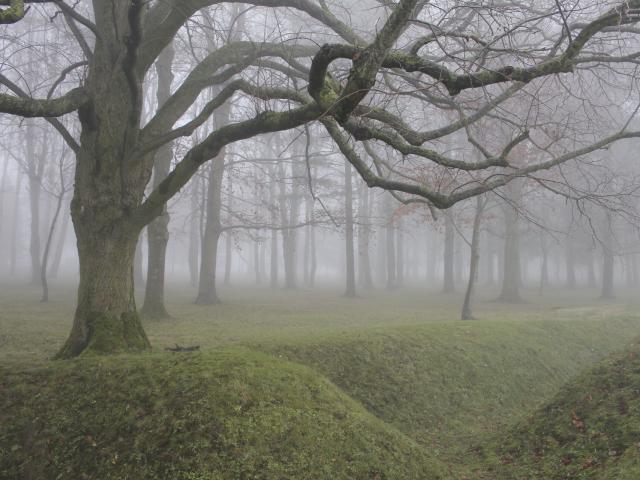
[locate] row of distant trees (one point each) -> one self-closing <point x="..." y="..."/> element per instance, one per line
<point x="440" y="103"/>
<point x="267" y="206"/>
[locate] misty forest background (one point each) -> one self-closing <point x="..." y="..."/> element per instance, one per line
<point x="298" y="239"/>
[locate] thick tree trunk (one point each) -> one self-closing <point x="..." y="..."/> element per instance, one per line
<point x="158" y="230"/>
<point x="106" y="320"/>
<point x="350" y="290"/>
<point x="467" y="313"/>
<point x="448" y="285"/>
<point x="109" y="187"/>
<point x="138" y="263"/>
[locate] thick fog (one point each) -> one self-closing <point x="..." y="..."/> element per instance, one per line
<point x="520" y="178"/>
<point x="319" y="239"/>
<point x="275" y="233"/>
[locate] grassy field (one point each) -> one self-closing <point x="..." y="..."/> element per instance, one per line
<point x="31" y="331"/>
<point x="589" y="430"/>
<point x="393" y="370"/>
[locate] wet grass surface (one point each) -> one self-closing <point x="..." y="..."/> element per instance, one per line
<point x="416" y="378"/>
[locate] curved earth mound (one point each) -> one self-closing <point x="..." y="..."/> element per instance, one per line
<point x="590" y="430"/>
<point x="450" y="386"/>
<point x="225" y="414"/>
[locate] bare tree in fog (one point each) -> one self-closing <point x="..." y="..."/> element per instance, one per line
<point x="474" y="245"/>
<point x="58" y="190"/>
<point x="424" y="59"/>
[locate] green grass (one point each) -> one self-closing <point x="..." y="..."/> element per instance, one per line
<point x="408" y="375"/>
<point x="589" y="430"/>
<point x="31" y="331"/>
<point x="226" y="414"/>
<point x="451" y="386"/>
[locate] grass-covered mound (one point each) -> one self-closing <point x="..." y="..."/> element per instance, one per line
<point x="450" y="386"/>
<point x="590" y="430"/>
<point x="225" y="414"/>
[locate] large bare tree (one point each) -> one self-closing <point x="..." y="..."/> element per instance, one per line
<point x="381" y="87"/>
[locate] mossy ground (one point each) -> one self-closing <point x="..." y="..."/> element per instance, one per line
<point x="225" y="414"/>
<point x="451" y="386"/>
<point x="589" y="430"/>
<point x="297" y="385"/>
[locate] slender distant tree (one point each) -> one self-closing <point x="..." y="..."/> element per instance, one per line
<point x="350" y="289"/>
<point x="511" y="277"/>
<point x="158" y="230"/>
<point x="467" y="311"/>
<point x="448" y="285"/>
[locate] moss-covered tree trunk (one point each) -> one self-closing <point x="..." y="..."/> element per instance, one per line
<point x="110" y="179"/>
<point x="106" y="320"/>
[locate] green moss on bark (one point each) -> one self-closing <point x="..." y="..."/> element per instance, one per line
<point x="108" y="333"/>
<point x="112" y="333"/>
